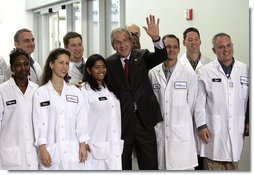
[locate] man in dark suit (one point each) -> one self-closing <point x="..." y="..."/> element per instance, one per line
<point x="139" y="107"/>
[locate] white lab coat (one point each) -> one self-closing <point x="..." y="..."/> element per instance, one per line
<point x="175" y="137"/>
<point x="221" y="105"/>
<point x="34" y="73"/>
<point x="203" y="60"/>
<point x="3" y="68"/>
<point x="104" y="129"/>
<point x="75" y="74"/>
<point x="60" y="122"/>
<point x="17" y="151"/>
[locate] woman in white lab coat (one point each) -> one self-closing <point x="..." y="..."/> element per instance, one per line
<point x="176" y="95"/>
<point x="104" y="117"/>
<point x="60" y="121"/>
<point x="17" y="151"/>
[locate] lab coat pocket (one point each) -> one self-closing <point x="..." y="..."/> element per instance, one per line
<point x="244" y="92"/>
<point x="73" y="151"/>
<point x="179" y="97"/>
<point x="55" y="165"/>
<point x="10" y="157"/>
<point x="241" y="125"/>
<point x="116" y="147"/>
<point x="158" y="131"/>
<point x="100" y="151"/>
<point x="214" y="124"/>
<point x="115" y="160"/>
<point x="181" y="132"/>
<point x="54" y="153"/>
<point x="160" y="143"/>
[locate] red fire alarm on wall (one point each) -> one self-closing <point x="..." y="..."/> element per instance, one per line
<point x="189" y="14"/>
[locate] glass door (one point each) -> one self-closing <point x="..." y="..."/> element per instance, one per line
<point x="57" y="29"/>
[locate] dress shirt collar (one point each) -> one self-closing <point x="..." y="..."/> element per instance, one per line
<point x="192" y="62"/>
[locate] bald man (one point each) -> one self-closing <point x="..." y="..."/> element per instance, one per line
<point x="133" y="28"/>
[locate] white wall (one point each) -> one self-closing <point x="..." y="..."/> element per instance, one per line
<point x="13" y="17"/>
<point x="209" y="17"/>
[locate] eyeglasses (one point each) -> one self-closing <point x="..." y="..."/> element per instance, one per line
<point x="174" y="47"/>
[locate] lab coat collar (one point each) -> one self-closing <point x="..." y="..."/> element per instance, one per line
<point x="51" y="88"/>
<point x="12" y="82"/>
<point x="30" y="85"/>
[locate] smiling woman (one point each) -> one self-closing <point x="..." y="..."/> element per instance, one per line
<point x="104" y="117"/>
<point x="17" y="153"/>
<point x="60" y="122"/>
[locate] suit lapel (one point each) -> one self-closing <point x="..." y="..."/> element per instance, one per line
<point x="134" y="63"/>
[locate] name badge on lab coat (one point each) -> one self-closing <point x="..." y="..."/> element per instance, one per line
<point x="216" y="80"/>
<point x="102" y="98"/>
<point x="45" y="103"/>
<point x="156" y="86"/>
<point x="11" y="102"/>
<point x="72" y="98"/>
<point x="244" y="80"/>
<point x="180" y="85"/>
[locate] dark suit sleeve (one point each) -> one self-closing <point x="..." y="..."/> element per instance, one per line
<point x="152" y="59"/>
<point x="247" y="113"/>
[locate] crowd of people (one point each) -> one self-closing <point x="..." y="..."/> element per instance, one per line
<point x="96" y="113"/>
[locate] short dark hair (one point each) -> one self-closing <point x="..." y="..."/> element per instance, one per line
<point x="70" y="35"/>
<point x="18" y="33"/>
<point x="47" y="72"/>
<point x="190" y="29"/>
<point x="171" y="36"/>
<point x="15" y="53"/>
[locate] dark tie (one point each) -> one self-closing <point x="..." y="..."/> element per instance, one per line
<point x="81" y="68"/>
<point x="126" y="68"/>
